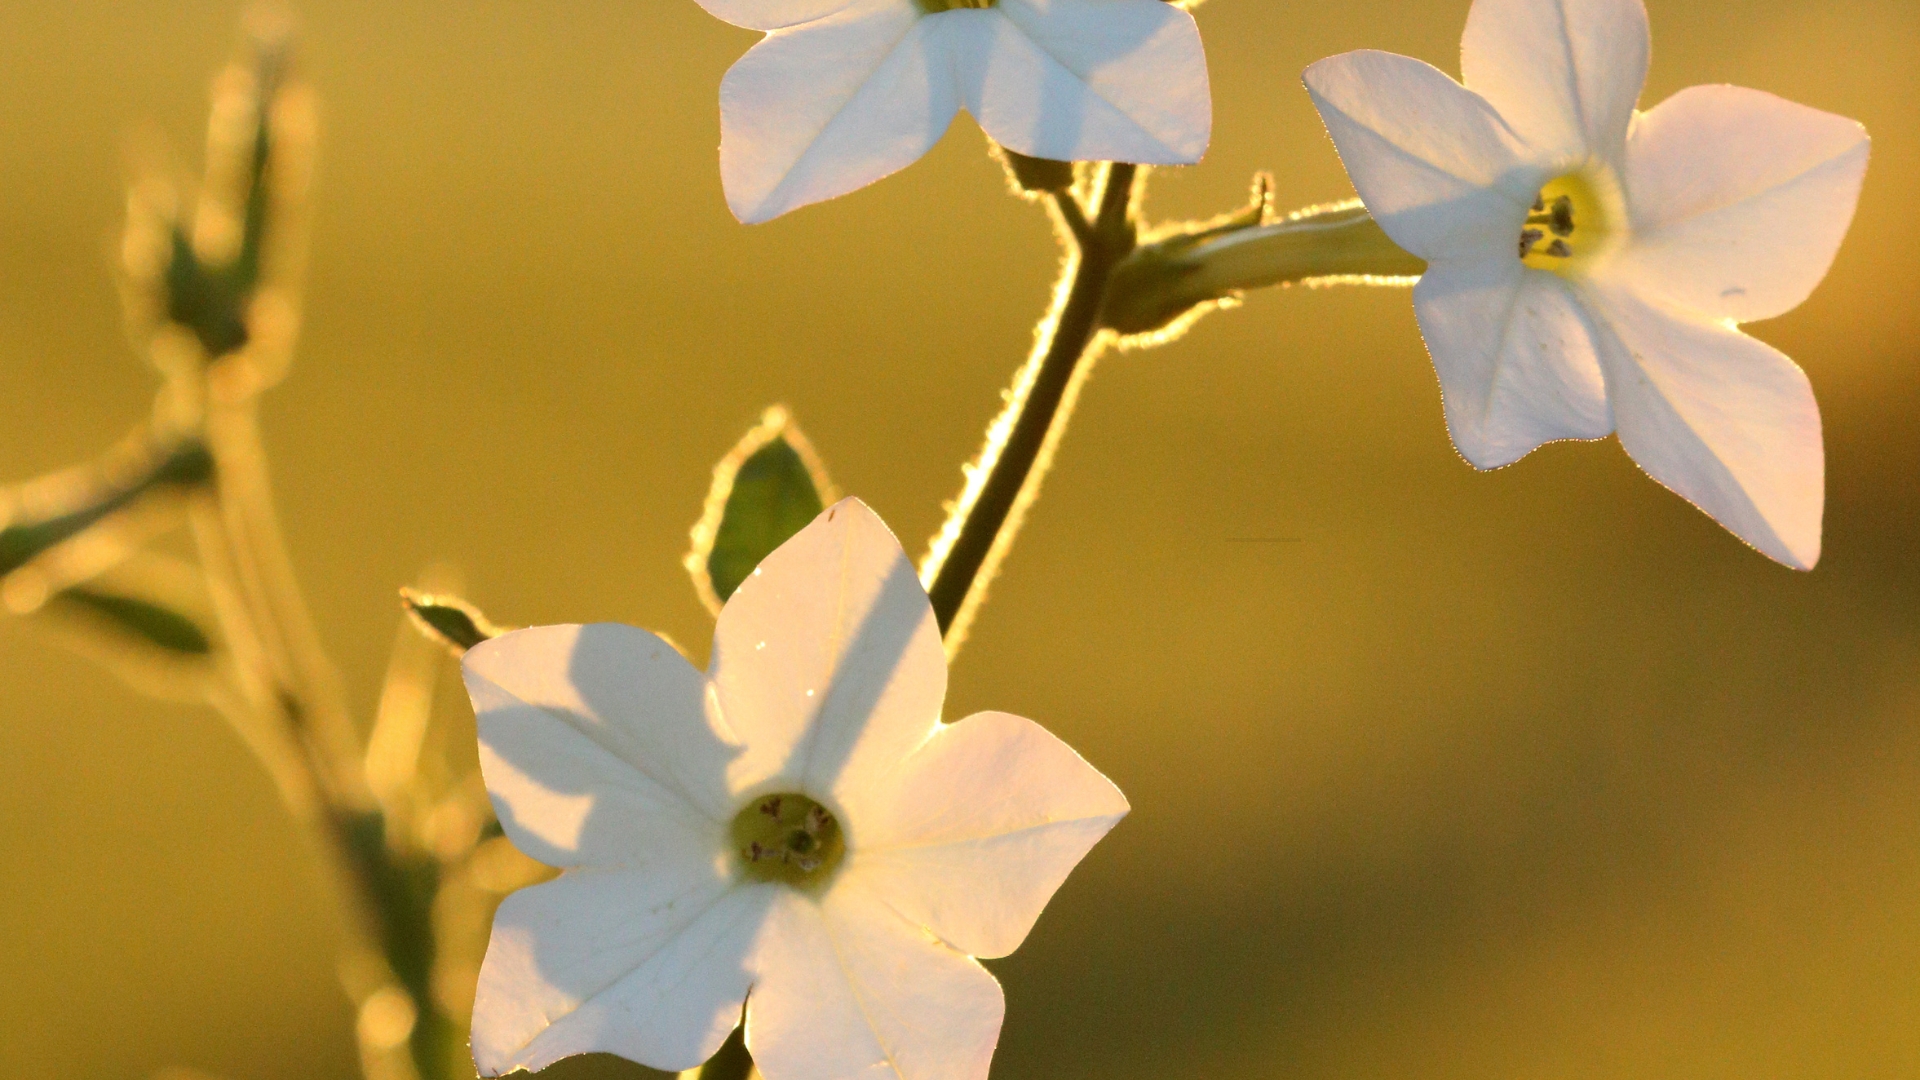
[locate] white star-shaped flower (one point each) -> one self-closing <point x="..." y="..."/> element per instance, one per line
<point x="1588" y="263"/>
<point x="843" y="92"/>
<point x="794" y="828"/>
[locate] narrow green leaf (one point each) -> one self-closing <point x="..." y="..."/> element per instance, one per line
<point x="141" y="619"/>
<point x="768" y="488"/>
<point x="147" y="619"/>
<point x="84" y="497"/>
<point x="448" y="620"/>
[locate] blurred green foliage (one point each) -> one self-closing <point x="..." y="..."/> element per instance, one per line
<point x="150" y="622"/>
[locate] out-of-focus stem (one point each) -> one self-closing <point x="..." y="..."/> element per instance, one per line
<point x="303" y="676"/>
<point x="1005" y="478"/>
<point x="266" y="706"/>
<point x="219" y="295"/>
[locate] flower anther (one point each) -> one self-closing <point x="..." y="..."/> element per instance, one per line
<point x="1588" y="263"/>
<point x="794" y="829"/>
<point x="789" y="839"/>
<point x="1571" y="222"/>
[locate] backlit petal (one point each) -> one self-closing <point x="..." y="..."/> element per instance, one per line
<point x="830" y="106"/>
<point x="595" y="744"/>
<point x="845" y="989"/>
<point x="1433" y="162"/>
<point x="775" y="14"/>
<point x="1564" y="73"/>
<point x="1720" y="418"/>
<point x="1082" y="80"/>
<point x="828" y="661"/>
<point x="980" y="827"/>
<point x="648" y="965"/>
<point x="1739" y="199"/>
<point x="1515" y="359"/>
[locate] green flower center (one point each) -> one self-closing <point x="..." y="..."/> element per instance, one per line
<point x="935" y="7"/>
<point x="1570" y="220"/>
<point x="789" y="839"/>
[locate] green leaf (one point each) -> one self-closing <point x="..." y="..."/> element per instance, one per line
<point x="448" y="620"/>
<point x="148" y="620"/>
<point x="768" y="488"/>
<point x="210" y="301"/>
<point x="141" y="619"/>
<point x="46" y="513"/>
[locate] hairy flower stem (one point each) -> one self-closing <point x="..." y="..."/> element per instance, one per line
<point x="1006" y="476"/>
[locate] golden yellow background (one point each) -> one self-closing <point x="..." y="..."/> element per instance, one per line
<point x="1530" y="774"/>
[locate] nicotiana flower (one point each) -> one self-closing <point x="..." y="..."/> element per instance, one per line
<point x="794" y="828"/>
<point x="843" y="92"/>
<point x="1588" y="263"/>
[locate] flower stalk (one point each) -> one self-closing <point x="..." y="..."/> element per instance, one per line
<point x="1166" y="282"/>
<point x="1005" y="478"/>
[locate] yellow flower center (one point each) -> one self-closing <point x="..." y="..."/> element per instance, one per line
<point x="1570" y="221"/>
<point x="789" y="839"/>
<point x="934" y="7"/>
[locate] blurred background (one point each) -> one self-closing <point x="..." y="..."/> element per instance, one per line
<point x="1536" y="773"/>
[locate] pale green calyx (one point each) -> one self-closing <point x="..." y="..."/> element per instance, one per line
<point x="1161" y="284"/>
<point x="789" y="839"/>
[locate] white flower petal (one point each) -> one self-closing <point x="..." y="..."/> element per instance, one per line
<point x="1515" y="358"/>
<point x="1724" y="420"/>
<point x="1433" y="162"/>
<point x="646" y="964"/>
<point x="1086" y="80"/>
<point x="979" y="828"/>
<point x="773" y="14"/>
<point x="595" y="743"/>
<point x="830" y="106"/>
<point x="1739" y="199"/>
<point x="844" y="989"/>
<point x="1564" y="73"/>
<point x="828" y="661"/>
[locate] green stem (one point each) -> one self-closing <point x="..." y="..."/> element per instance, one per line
<point x="1340" y="241"/>
<point x="1006" y="476"/>
<point x="1164" y="281"/>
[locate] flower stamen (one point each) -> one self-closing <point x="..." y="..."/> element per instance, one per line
<point x="934" y="7"/>
<point x="789" y="839"/>
<point x="1568" y="217"/>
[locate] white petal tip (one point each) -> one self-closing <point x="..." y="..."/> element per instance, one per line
<point x="747" y="214"/>
<point x="1803" y="556"/>
<point x="849" y="512"/>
